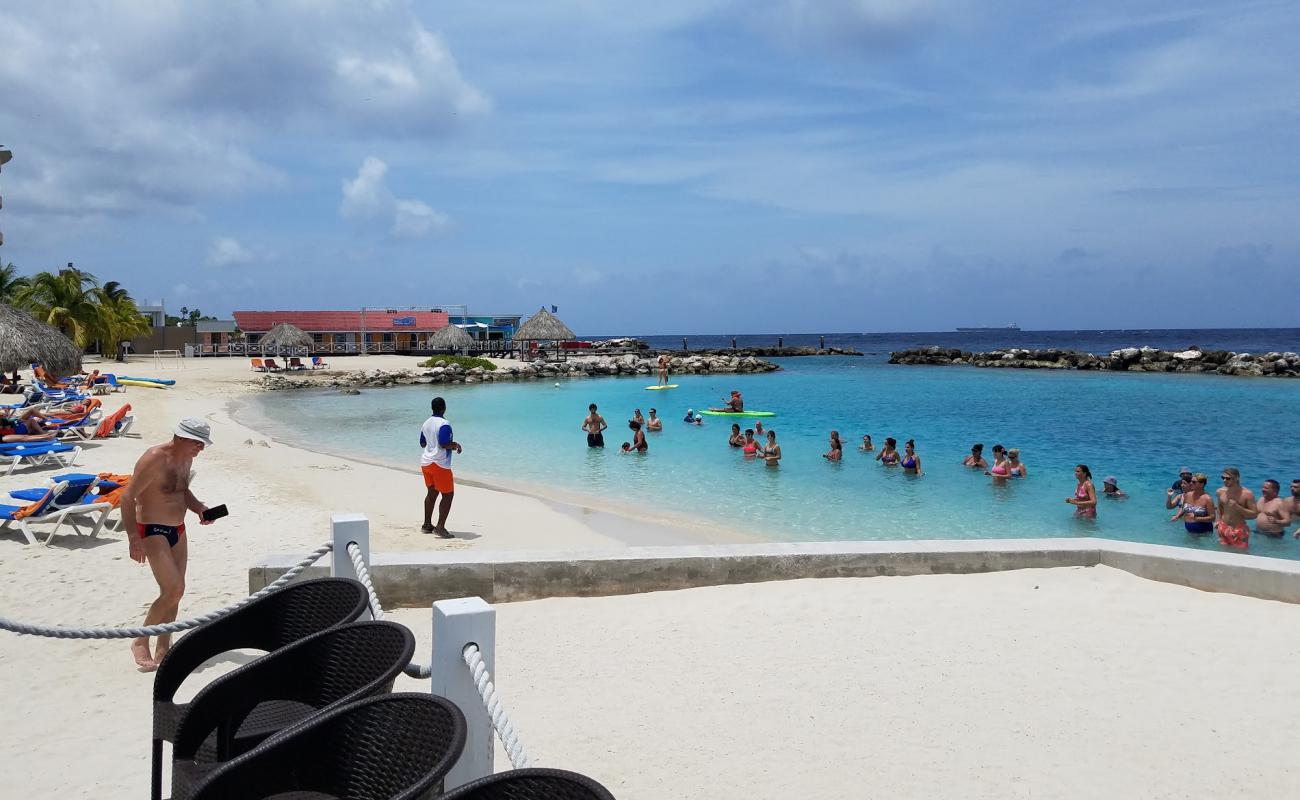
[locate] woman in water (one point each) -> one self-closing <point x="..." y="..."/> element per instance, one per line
<point x="771" y="450"/>
<point x="1084" y="499"/>
<point x="837" y="449"/>
<point x="911" y="461"/>
<point x="638" y="437"/>
<point x="1015" y="466"/>
<point x="888" y="454"/>
<point x="736" y="439"/>
<point x="749" y="447"/>
<point x="637" y="418"/>
<point x="866" y="445"/>
<point x="1196" y="507"/>
<point x="976" y="458"/>
<point x="1001" y="469"/>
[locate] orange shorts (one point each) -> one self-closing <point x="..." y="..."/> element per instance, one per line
<point x="439" y="478"/>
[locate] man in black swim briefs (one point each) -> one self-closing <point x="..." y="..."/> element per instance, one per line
<point x="594" y="425"/>
<point x="153" y="514"/>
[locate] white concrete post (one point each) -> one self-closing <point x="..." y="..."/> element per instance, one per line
<point x="344" y="529"/>
<point x="456" y="623"/>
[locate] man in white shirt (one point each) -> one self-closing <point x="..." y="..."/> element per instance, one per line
<point x="435" y="463"/>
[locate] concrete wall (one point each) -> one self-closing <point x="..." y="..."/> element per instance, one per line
<point x="418" y="579"/>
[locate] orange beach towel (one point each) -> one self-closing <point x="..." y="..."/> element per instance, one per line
<point x="109" y="424"/>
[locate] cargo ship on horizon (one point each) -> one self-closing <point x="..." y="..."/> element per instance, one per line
<point x="1012" y="327"/>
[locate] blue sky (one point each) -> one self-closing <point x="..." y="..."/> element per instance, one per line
<point x="712" y="167"/>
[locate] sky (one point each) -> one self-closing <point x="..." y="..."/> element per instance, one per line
<point x="710" y="166"/>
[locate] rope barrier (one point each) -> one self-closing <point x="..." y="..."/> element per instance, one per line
<point x="166" y="627"/>
<point x="500" y="721"/>
<point x="419" y="671"/>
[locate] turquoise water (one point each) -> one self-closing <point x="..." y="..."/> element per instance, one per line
<point x="1139" y="427"/>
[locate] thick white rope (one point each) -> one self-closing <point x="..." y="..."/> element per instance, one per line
<point x="500" y="721"/>
<point x="420" y="671"/>
<point x="166" y="627"/>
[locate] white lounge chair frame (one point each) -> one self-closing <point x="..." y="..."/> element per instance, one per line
<point x="61" y="515"/>
<point x="39" y="459"/>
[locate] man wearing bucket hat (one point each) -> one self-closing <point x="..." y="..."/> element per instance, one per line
<point x="153" y="516"/>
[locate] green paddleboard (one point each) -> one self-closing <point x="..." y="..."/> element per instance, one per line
<point x="711" y="413"/>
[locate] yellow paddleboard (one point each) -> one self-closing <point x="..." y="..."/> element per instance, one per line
<point x="149" y="384"/>
<point x="660" y="388"/>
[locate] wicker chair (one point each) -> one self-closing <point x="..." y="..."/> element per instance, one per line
<point x="531" y="784"/>
<point x="388" y="747"/>
<point x="238" y="711"/>
<point x="279" y="619"/>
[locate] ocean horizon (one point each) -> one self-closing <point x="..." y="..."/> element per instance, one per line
<point x="1139" y="427"/>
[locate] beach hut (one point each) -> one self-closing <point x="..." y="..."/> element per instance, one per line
<point x="542" y="327"/>
<point x="452" y="338"/>
<point x="285" y="338"/>
<point x="25" y="340"/>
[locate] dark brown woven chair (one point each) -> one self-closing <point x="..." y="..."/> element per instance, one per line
<point x="239" y="711"/>
<point x="531" y="784"/>
<point x="387" y="747"/>
<point x="279" y="619"/>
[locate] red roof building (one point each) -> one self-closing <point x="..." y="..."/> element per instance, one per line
<point x="257" y="322"/>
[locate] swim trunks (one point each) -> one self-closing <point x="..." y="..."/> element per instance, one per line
<point x="439" y="478"/>
<point x="1232" y="535"/>
<point x="595" y="440"/>
<point x="172" y="533"/>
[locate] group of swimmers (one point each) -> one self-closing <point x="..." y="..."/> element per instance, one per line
<point x="754" y="448"/>
<point x="1227" y="511"/>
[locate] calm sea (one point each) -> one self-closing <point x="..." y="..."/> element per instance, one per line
<point x="1138" y="427"/>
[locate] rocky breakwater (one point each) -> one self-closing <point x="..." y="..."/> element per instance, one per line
<point x="767" y="352"/>
<point x="575" y="367"/>
<point x="1129" y="359"/>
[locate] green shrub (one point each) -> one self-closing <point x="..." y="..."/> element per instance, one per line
<point x="467" y="362"/>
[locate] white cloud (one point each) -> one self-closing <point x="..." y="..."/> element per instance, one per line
<point x="126" y="108"/>
<point x="366" y="197"/>
<point x="225" y="251"/>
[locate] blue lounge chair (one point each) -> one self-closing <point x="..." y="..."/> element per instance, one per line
<point x="82" y="428"/>
<point x="65" y="501"/>
<point x="96" y="485"/>
<point x="317" y="363"/>
<point x="37" y="454"/>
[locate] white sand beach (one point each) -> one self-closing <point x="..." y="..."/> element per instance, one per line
<point x="1067" y="683"/>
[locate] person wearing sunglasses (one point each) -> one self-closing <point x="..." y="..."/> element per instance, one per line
<point x="1236" y="505"/>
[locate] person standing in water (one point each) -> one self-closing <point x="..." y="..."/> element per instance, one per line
<point x="867" y="446"/>
<point x="654" y="423"/>
<point x="750" y="445"/>
<point x="911" y="461"/>
<point x="1195" y="506"/>
<point x="1236" y="505"/>
<point x="594" y="424"/>
<point x="736" y="439"/>
<point x="1274" y="511"/>
<point x="1015" y="467"/>
<point x="976" y="458"/>
<point x="435" y="463"/>
<point x="772" y="450"/>
<point x="1084" y="499"/>
<point x="638" y="438"/>
<point x="837" y="448"/>
<point x="888" y="454"/>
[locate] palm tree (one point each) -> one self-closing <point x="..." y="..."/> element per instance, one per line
<point x="10" y="283"/>
<point x="66" y="300"/>
<point x="119" y="318"/>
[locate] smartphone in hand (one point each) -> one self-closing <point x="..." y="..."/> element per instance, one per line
<point x="216" y="512"/>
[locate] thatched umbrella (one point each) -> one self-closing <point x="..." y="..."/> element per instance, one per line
<point x="286" y="337"/>
<point x="544" y="327"/>
<point x="25" y="340"/>
<point x="452" y="337"/>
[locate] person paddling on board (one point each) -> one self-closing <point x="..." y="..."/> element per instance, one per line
<point x="734" y="405"/>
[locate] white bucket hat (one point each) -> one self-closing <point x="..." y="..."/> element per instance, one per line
<point x="196" y="429"/>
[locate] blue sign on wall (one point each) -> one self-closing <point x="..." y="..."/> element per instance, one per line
<point x="403" y="322"/>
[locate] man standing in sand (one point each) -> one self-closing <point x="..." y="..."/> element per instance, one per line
<point x="594" y="424"/>
<point x="153" y="516"/>
<point x="1274" y="511"/>
<point x="1236" y="505"/>
<point x="435" y="463"/>
<point x="663" y="369"/>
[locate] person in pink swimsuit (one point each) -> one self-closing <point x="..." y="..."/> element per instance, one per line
<point x="1085" y="494"/>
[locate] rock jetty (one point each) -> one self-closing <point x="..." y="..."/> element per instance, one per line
<point x="742" y="352"/>
<point x="1129" y="359"/>
<point x="575" y="367"/>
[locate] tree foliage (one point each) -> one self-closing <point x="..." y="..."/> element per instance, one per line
<point x="75" y="302"/>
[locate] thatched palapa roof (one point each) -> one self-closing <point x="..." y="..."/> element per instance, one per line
<point x="451" y="337"/>
<point x="286" y="336"/>
<point x="25" y="340"/>
<point x="544" y="327"/>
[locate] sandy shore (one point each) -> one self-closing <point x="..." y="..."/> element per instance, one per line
<point x="956" y="686"/>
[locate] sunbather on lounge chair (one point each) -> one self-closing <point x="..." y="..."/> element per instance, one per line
<point x="25" y="426"/>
